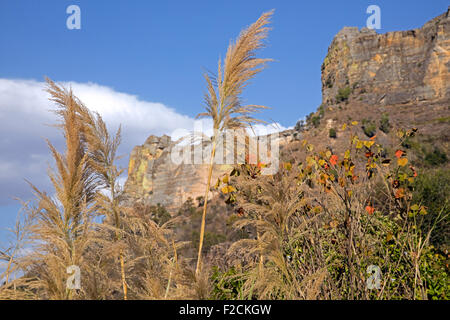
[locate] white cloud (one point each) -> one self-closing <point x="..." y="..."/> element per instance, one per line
<point x="138" y="118"/>
<point x="26" y="122"/>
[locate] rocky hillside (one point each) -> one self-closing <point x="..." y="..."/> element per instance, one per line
<point x="402" y="76"/>
<point x="385" y="82"/>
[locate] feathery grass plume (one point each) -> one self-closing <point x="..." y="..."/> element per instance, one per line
<point x="274" y="206"/>
<point x="144" y="251"/>
<point x="223" y="97"/>
<point x="196" y="286"/>
<point x="102" y="150"/>
<point x="142" y="246"/>
<point x="62" y="225"/>
<point x="155" y="267"/>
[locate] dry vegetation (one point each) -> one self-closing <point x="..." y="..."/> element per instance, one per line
<point x="223" y="98"/>
<point x="321" y="222"/>
<point x="311" y="231"/>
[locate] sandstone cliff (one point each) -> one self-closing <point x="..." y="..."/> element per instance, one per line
<point x="404" y="75"/>
<point x="392" y="68"/>
<point x="154" y="178"/>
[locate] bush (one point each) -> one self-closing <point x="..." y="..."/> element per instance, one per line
<point x="385" y="126"/>
<point x="226" y="285"/>
<point x="160" y="214"/>
<point x="312" y="119"/>
<point x="369" y="127"/>
<point x="315" y="121"/>
<point x="318" y="229"/>
<point x="431" y="190"/>
<point x="332" y="133"/>
<point x="427" y="153"/>
<point x="299" y="125"/>
<point x="435" y="274"/>
<point x="435" y="158"/>
<point x="343" y="94"/>
<point x="321" y="111"/>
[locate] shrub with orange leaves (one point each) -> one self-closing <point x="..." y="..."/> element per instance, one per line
<point x="370" y="210"/>
<point x="329" y="211"/>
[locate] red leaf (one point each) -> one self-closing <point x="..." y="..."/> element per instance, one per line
<point x="334" y="159"/>
<point x="370" y="210"/>
<point x="400" y="193"/>
<point x="399" y="154"/>
<point x="413" y="170"/>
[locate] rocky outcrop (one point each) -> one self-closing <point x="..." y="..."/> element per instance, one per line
<point x="154" y="178"/>
<point x="391" y="68"/>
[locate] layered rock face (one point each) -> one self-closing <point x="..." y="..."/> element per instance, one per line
<point x="392" y="68"/>
<point x="154" y="178"/>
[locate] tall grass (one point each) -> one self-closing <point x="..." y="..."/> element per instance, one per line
<point x="62" y="224"/>
<point x="223" y="98"/>
<point x="102" y="150"/>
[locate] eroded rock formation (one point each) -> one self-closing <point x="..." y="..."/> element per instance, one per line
<point x="391" y="68"/>
<point x="154" y="178"/>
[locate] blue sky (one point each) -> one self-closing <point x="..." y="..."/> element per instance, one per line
<point x="156" y="51"/>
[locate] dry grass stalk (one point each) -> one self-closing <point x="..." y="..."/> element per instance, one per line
<point x="223" y="97"/>
<point x="102" y="155"/>
<point x="62" y="225"/>
<point x="152" y="255"/>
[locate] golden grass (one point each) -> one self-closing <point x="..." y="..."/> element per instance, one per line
<point x="223" y="98"/>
